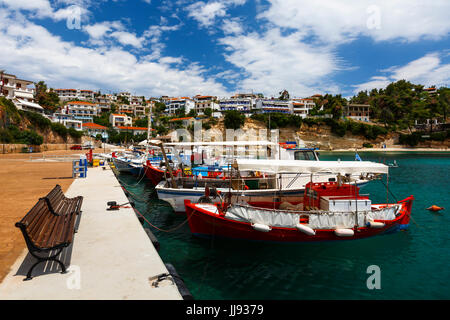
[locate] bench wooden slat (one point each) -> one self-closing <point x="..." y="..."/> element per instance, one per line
<point x="50" y="225"/>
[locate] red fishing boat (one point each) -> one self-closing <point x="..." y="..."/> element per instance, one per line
<point x="328" y="211"/>
<point x="156" y="175"/>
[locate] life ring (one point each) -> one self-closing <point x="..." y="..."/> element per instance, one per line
<point x="152" y="152"/>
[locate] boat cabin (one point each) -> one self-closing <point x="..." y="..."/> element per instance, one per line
<point x="334" y="197"/>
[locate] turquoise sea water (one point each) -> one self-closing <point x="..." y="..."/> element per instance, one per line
<point x="414" y="264"/>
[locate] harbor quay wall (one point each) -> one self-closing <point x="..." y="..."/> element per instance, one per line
<point x="19" y="148"/>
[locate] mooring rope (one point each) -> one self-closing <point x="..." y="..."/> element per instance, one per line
<point x="139" y="181"/>
<point x="410" y="215"/>
<point x="168" y="231"/>
<point x="135" y="196"/>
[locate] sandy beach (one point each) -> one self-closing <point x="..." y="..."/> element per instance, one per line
<point x="22" y="183"/>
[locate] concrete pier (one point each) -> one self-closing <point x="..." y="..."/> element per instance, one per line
<point x="111" y="256"/>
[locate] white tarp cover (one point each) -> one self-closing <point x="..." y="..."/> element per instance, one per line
<point x="30" y="104"/>
<point x="287" y="219"/>
<point x="305" y="166"/>
<point x="144" y="142"/>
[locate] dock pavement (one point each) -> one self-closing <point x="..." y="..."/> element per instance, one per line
<point x="111" y="257"/>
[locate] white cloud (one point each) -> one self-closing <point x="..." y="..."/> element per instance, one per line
<point x="41" y="7"/>
<point x="98" y="30"/>
<point x="342" y="21"/>
<point x="44" y="9"/>
<point x="206" y="13"/>
<point x="127" y="38"/>
<point x="377" y="82"/>
<point x="102" y="33"/>
<point x="427" y="70"/>
<point x="209" y="13"/>
<point x="232" y="26"/>
<point x="32" y="52"/>
<point x="272" y="62"/>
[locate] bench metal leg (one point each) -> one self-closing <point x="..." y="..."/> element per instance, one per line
<point x="41" y="259"/>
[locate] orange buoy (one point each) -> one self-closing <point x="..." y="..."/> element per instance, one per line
<point x="435" y="208"/>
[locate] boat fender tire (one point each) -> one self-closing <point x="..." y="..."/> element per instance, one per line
<point x="344" y="232"/>
<point x="375" y="225"/>
<point x="305" y="229"/>
<point x="184" y="291"/>
<point x="261" y="227"/>
<point x="153" y="239"/>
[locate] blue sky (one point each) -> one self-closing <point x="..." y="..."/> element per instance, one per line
<point x="220" y="47"/>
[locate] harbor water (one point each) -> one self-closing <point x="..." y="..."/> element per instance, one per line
<point x="413" y="264"/>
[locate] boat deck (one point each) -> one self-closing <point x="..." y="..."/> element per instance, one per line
<point x="111" y="256"/>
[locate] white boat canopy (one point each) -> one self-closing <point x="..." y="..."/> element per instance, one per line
<point x="144" y="142"/>
<point x="221" y="143"/>
<point x="305" y="166"/>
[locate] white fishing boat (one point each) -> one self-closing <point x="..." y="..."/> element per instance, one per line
<point x="328" y="211"/>
<point x="251" y="181"/>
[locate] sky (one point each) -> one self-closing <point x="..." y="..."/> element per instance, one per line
<point x="222" y="47"/>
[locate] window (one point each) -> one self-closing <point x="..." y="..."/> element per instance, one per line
<point x="304" y="155"/>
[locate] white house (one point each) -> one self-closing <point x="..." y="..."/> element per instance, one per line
<point x="81" y="110"/>
<point x="205" y="102"/>
<point x="243" y="105"/>
<point x="302" y="107"/>
<point x="359" y="112"/>
<point x="92" y="129"/>
<point x="17" y="91"/>
<point x="175" y="104"/>
<point x="74" y="94"/>
<point x="133" y="130"/>
<point x="118" y="119"/>
<point x="67" y="120"/>
<point x="273" y="105"/>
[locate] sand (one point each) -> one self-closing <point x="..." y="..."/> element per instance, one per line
<point x="22" y="184"/>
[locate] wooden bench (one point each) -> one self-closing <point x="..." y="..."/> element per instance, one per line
<point x="59" y="204"/>
<point x="50" y="226"/>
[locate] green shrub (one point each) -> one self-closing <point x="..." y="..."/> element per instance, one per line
<point x="367" y="145"/>
<point x="75" y="133"/>
<point x="438" y="136"/>
<point x="60" y="129"/>
<point x="37" y="120"/>
<point x="410" y="139"/>
<point x="6" y="136"/>
<point x="31" y="137"/>
<point x="11" y="109"/>
<point x="234" y="119"/>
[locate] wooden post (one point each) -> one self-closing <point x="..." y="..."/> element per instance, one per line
<point x="387" y="189"/>
<point x="168" y="167"/>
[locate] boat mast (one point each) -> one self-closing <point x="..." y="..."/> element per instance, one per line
<point x="149" y="128"/>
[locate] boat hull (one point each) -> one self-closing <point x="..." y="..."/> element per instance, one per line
<point x="205" y="221"/>
<point x="122" y="166"/>
<point x="153" y="174"/>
